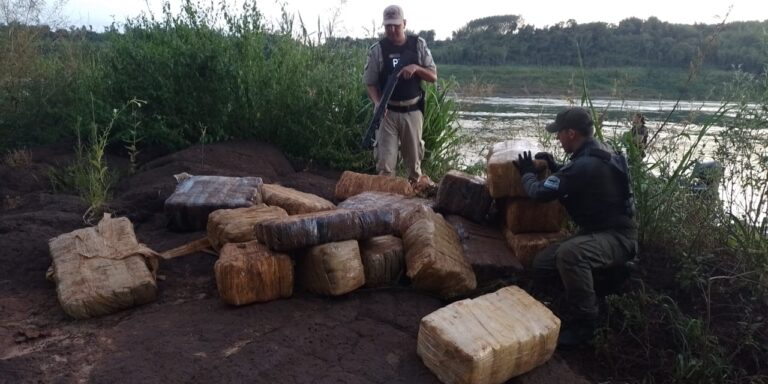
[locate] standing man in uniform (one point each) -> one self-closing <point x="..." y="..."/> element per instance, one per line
<point x="402" y="124"/>
<point x="595" y="189"/>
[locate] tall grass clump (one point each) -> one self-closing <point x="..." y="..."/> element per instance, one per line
<point x="89" y="175"/>
<point x="441" y="131"/>
<point x="240" y="78"/>
<point x="45" y="73"/>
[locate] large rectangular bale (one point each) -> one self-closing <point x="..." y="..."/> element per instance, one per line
<point x="399" y="204"/>
<point x="523" y="215"/>
<point x="102" y="269"/>
<point x="435" y="260"/>
<point x="293" y="201"/>
<point x="488" y="340"/>
<point x="383" y="259"/>
<point x="238" y="225"/>
<point x="503" y="176"/>
<point x="332" y="269"/>
<point x="195" y="197"/>
<point x="525" y="246"/>
<point x="251" y="273"/>
<point x="486" y="250"/>
<point x="463" y="194"/>
<point x="351" y="184"/>
<point x="302" y="231"/>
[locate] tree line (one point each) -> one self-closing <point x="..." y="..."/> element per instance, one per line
<point x="507" y="40"/>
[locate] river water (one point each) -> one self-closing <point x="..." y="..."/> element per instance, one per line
<point x="487" y="120"/>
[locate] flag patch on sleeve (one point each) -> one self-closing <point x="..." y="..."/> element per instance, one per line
<point x="552" y="182"/>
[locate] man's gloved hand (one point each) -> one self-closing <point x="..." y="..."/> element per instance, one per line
<point x="546" y="156"/>
<point x="525" y="163"/>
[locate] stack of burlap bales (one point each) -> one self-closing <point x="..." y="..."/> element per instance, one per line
<point x="434" y="259"/>
<point x="529" y="226"/>
<point x="256" y="261"/>
<point x="261" y="231"/>
<point x="467" y="204"/>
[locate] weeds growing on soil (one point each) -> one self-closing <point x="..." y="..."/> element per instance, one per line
<point x="89" y="176"/>
<point x="698" y="313"/>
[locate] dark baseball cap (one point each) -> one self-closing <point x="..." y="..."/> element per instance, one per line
<point x="574" y="118"/>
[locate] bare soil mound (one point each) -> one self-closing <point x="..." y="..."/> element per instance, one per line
<point x="189" y="335"/>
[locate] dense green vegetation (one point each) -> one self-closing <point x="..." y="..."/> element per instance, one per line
<point x="204" y="74"/>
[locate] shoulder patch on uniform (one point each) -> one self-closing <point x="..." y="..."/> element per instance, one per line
<point x="552" y="182"/>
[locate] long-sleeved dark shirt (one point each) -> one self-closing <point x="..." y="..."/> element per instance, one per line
<point x="592" y="189"/>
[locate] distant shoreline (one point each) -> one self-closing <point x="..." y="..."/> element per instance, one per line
<point x="566" y="82"/>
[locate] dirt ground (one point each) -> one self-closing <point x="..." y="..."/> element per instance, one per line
<point x="188" y="334"/>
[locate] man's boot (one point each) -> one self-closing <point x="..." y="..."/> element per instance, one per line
<point x="577" y="332"/>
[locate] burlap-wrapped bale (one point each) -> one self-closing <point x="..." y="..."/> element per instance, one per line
<point x="102" y="269"/>
<point x="293" y="201"/>
<point x="351" y="184"/>
<point x="523" y="215"/>
<point x="332" y="269"/>
<point x="503" y="176"/>
<point x="250" y="273"/>
<point x="489" y="339"/>
<point x="399" y="204"/>
<point x="486" y="250"/>
<point x="526" y="246"/>
<point x="407" y="219"/>
<point x="383" y="260"/>
<point x="463" y="194"/>
<point x="238" y="225"/>
<point x="302" y="231"/>
<point x="195" y="197"/>
<point x="435" y="260"/>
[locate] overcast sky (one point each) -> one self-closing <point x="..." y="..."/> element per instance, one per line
<point x="356" y="17"/>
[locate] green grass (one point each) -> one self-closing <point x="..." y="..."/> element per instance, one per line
<point x="624" y="82"/>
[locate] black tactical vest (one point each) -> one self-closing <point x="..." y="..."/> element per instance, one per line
<point x="392" y="54"/>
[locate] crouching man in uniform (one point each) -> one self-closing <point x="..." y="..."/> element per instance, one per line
<point x="594" y="188"/>
<point x="403" y="122"/>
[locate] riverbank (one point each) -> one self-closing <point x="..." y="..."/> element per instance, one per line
<point x="618" y="82"/>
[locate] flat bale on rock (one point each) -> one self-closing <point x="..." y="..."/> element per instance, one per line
<point x="489" y="339"/>
<point x="351" y="184"/>
<point x="196" y="197"/>
<point x="102" y="269"/>
<point x="486" y="250"/>
<point x="523" y="215"/>
<point x="526" y="246"/>
<point x="463" y="194"/>
<point x="435" y="260"/>
<point x="383" y="259"/>
<point x="503" y="176"/>
<point x="302" y="231"/>
<point x="399" y="204"/>
<point x="293" y="201"/>
<point x="251" y="273"/>
<point x="332" y="269"/>
<point x="238" y="225"/>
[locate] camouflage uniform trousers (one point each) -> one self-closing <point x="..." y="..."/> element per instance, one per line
<point x="575" y="259"/>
